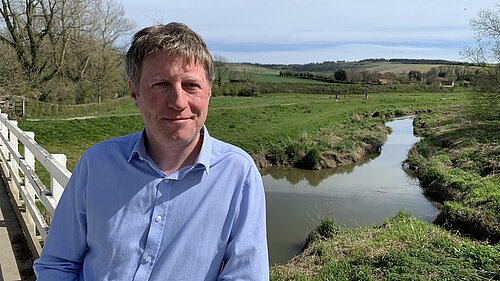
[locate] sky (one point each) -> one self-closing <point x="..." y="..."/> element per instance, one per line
<point x="310" y="31"/>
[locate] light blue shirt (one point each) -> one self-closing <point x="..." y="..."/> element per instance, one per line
<point x="121" y="218"/>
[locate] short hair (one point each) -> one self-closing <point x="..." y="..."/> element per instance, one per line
<point x="176" y="39"/>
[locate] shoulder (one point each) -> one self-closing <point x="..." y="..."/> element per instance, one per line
<point x="227" y="153"/>
<point x="119" y="146"/>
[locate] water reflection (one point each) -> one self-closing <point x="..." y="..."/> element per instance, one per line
<point x="355" y="195"/>
<point x="313" y="177"/>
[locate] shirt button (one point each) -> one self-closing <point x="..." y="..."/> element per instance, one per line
<point x="158" y="218"/>
<point x="148" y="259"/>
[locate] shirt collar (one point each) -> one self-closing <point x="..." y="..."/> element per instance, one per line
<point x="206" y="150"/>
<point x="203" y="158"/>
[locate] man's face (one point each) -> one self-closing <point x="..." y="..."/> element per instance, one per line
<point x="172" y="97"/>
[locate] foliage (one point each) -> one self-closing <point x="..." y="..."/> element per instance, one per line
<point x="326" y="229"/>
<point x="340" y="75"/>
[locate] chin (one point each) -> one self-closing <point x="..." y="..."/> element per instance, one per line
<point x="182" y="137"/>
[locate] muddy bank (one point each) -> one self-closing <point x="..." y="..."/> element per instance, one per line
<point x="325" y="151"/>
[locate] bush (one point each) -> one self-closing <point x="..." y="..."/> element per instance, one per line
<point x="326" y="229"/>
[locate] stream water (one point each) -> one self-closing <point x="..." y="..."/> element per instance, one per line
<point x="356" y="195"/>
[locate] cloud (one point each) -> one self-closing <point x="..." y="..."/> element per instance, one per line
<point x="290" y="30"/>
<point x="348" y="51"/>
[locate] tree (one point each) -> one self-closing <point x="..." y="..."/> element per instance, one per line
<point x="10" y="72"/>
<point x="62" y="38"/>
<point x="415" y="76"/>
<point x="486" y="55"/>
<point x="221" y="69"/>
<point x="340" y="75"/>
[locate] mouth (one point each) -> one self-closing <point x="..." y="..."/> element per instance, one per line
<point x="178" y="119"/>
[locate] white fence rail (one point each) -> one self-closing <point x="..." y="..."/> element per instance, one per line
<point x="35" y="202"/>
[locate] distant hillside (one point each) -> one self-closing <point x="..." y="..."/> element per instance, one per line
<point x="372" y="65"/>
<point x="374" y="75"/>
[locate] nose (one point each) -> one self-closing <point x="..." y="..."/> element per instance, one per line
<point x="177" y="98"/>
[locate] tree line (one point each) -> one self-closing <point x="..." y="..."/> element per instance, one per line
<point x="432" y="76"/>
<point x="64" y="51"/>
<point x="418" y="61"/>
<point x="332" y="66"/>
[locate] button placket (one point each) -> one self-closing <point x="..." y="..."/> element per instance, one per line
<point x="155" y="234"/>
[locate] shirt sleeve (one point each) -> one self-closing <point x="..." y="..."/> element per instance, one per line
<point x="246" y="256"/>
<point x="65" y="247"/>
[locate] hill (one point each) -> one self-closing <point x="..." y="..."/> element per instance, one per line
<point x="397" y="66"/>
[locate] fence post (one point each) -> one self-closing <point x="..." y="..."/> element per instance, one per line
<point x="29" y="157"/>
<point x="2" y="145"/>
<point x="56" y="188"/>
<point x="5" y="150"/>
<point x="14" y="165"/>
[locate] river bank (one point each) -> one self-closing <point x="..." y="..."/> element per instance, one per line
<point x="330" y="147"/>
<point x="458" y="165"/>
<point x="356" y="195"/>
<point x="401" y="248"/>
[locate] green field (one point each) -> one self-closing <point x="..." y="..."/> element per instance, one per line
<point x="268" y="75"/>
<point x="399" y="67"/>
<point x="256" y="124"/>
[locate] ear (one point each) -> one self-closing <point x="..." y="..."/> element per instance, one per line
<point x="133" y="92"/>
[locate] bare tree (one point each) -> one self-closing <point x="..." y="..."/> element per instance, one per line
<point x="61" y="37"/>
<point x="221" y="70"/>
<point x="486" y="55"/>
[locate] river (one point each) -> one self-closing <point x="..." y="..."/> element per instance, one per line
<point x="356" y="195"/>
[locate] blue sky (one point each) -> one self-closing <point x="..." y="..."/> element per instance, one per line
<point x="293" y="31"/>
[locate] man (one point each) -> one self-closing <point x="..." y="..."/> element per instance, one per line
<point x="171" y="202"/>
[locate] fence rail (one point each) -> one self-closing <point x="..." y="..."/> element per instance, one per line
<point x="33" y="201"/>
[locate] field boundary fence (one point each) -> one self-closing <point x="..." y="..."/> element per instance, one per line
<point x="18" y="106"/>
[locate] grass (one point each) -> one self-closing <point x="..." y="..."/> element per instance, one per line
<point x="260" y="125"/>
<point x="398" y="67"/>
<point x="402" y="248"/>
<point x="459" y="161"/>
<point x="275" y="78"/>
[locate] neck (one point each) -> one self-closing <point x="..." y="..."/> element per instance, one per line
<point x="174" y="157"/>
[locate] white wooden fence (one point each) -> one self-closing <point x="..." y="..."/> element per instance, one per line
<point x="35" y="202"/>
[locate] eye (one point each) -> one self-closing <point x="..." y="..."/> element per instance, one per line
<point x="192" y="86"/>
<point x="161" y="84"/>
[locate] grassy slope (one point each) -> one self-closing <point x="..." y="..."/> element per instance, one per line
<point x="402" y="248"/>
<point x="459" y="162"/>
